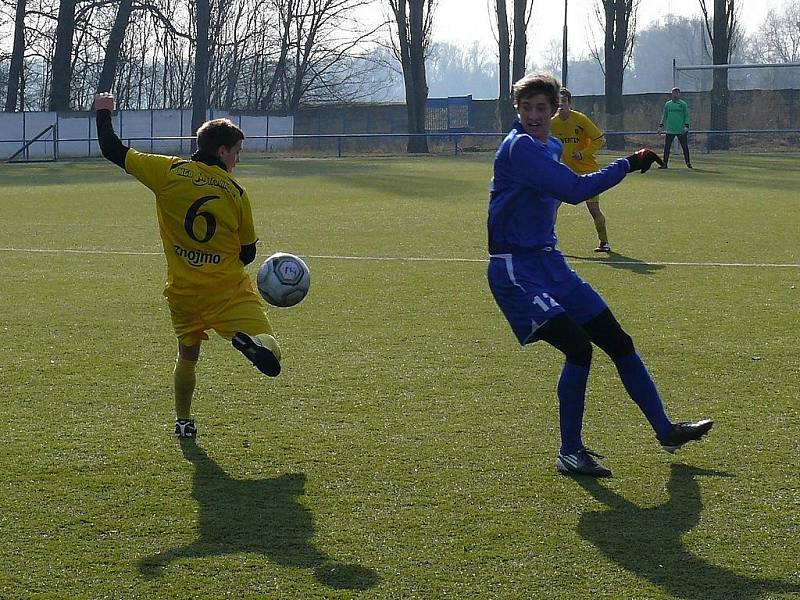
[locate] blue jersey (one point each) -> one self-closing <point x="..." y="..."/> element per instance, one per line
<point x="529" y="183"/>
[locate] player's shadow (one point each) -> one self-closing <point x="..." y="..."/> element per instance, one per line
<point x="647" y="541"/>
<point x="262" y="516"/>
<point x="620" y="261"/>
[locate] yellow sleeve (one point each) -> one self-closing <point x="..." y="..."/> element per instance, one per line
<point x="151" y="169"/>
<point x="247" y="231"/>
<point x="595" y="137"/>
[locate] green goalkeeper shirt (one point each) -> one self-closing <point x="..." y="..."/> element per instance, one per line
<point x="675" y="117"/>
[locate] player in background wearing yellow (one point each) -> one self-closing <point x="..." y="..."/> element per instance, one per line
<point x="581" y="139"/>
<point x="206" y="226"/>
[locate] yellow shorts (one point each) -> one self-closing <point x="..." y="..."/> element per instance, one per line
<point x="238" y="310"/>
<point x="585" y="169"/>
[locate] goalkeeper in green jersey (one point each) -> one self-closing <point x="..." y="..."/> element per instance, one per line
<point x="675" y="123"/>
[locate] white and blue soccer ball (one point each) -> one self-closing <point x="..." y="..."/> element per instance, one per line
<point x="283" y="279"/>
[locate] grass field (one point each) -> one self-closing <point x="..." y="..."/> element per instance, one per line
<point x="407" y="449"/>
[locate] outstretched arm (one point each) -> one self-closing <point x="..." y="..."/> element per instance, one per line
<point x="110" y="145"/>
<point x="538" y="169"/>
<point x="534" y="165"/>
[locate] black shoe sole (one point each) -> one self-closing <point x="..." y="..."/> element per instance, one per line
<point x="581" y="474"/>
<point x="262" y="358"/>
<point x="672" y="448"/>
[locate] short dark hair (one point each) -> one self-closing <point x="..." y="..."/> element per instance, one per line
<point x="537" y="83"/>
<point x="218" y="132"/>
<point x="566" y="93"/>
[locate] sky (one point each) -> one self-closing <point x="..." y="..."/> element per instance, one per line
<point x="465" y="21"/>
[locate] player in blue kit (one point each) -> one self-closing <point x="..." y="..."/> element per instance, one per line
<point x="540" y="295"/>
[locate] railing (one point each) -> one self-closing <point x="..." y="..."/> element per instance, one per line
<point x="453" y="143"/>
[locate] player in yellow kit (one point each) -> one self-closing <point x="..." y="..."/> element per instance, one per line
<point x="206" y="227"/>
<point x="581" y="140"/>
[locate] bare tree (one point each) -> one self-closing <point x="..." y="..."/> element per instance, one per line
<point x="510" y="36"/>
<point x="17" y="58"/>
<point x="722" y="30"/>
<point x="201" y="61"/>
<point x="172" y="75"/>
<point x="506" y="112"/>
<point x="285" y="10"/>
<point x="680" y="38"/>
<point x="40" y="42"/>
<point x="62" y="57"/>
<point x="230" y="57"/>
<point x="414" y="21"/>
<point x="91" y="26"/>
<point x="325" y="40"/>
<point x="780" y="33"/>
<point x="618" y="19"/>
<point x="522" y="16"/>
<point x="272" y="54"/>
<point x="454" y="70"/>
<point x="115" y="39"/>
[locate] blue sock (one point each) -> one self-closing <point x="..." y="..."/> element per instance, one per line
<point x="571" y="400"/>
<point x="642" y="389"/>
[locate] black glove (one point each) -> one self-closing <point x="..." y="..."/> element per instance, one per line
<point x="642" y="160"/>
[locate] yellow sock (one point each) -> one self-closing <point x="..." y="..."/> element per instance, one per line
<point x="600" y="226"/>
<point x="185" y="380"/>
<point x="271" y="343"/>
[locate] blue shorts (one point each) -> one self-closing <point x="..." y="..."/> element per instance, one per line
<point x="533" y="287"/>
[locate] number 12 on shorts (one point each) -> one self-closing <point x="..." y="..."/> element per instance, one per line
<point x="537" y="300"/>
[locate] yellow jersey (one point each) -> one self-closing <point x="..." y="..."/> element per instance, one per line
<point x="204" y="218"/>
<point x="578" y="133"/>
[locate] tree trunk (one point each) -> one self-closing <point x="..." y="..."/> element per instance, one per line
<point x="115" y="40"/>
<point x="201" y="59"/>
<point x="17" y="59"/>
<point x="412" y="33"/>
<point x="721" y="44"/>
<point x="505" y="102"/>
<point x="520" y="40"/>
<point x="286" y="12"/>
<point x="62" y="56"/>
<point x="231" y="81"/>
<point x="419" y="96"/>
<point x="617" y="15"/>
<point x="234" y="70"/>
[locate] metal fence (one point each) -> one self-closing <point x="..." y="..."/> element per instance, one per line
<point x="393" y="144"/>
<point x="51" y="135"/>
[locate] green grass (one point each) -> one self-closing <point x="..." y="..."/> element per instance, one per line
<point x="407" y="449"/>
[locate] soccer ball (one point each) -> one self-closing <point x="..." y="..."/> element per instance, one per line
<point x="283" y="279"/>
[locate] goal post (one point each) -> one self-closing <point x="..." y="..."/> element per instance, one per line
<point x="718" y="134"/>
<point x="676" y="68"/>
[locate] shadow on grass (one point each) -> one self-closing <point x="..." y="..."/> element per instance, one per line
<point x="620" y="261"/>
<point x="647" y="541"/>
<point x="259" y="516"/>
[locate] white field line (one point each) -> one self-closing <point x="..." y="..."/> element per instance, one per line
<point x="585" y="261"/>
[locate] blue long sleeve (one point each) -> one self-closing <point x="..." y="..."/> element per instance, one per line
<point x="528" y="185"/>
<point x="542" y="172"/>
